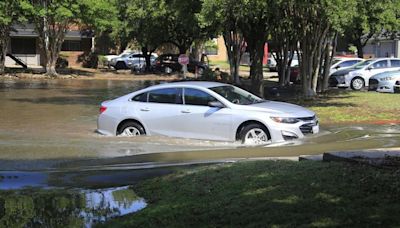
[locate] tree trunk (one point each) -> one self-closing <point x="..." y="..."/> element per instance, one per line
<point x="256" y="67"/>
<point x="330" y="52"/>
<point x="3" y="45"/>
<point x="359" y="46"/>
<point x="233" y="43"/>
<point x="147" y="56"/>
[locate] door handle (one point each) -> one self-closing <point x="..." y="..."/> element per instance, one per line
<point x="185" y="111"/>
<point x="144" y="109"/>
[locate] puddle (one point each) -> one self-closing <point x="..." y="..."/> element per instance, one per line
<point x="66" y="207"/>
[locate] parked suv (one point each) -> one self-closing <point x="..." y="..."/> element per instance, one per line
<point x="129" y="61"/>
<point x="168" y="63"/>
<point x="358" y="76"/>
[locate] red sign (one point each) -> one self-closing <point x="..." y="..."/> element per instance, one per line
<point x="183" y="59"/>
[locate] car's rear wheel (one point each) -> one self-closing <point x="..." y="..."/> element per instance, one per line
<point x="254" y="134"/>
<point x="357" y="83"/>
<point x="130" y="129"/>
<point x="120" y="65"/>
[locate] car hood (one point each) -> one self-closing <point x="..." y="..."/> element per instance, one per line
<point x="278" y="108"/>
<point x="343" y="72"/>
<point x="394" y="74"/>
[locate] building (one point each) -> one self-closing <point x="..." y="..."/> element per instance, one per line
<point x="24" y="45"/>
<point x="382" y="47"/>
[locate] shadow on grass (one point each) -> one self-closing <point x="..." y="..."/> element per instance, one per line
<point x="270" y="194"/>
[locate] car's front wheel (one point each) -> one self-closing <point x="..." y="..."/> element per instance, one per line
<point x="357" y="83"/>
<point x="131" y="128"/>
<point x="254" y="134"/>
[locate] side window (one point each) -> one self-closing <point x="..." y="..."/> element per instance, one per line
<point x="395" y="63"/>
<point x="140" y="98"/>
<point x="197" y="97"/>
<point x="348" y="63"/>
<point x="380" y="64"/>
<point x="169" y="96"/>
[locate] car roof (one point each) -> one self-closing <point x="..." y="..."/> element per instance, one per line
<point x="202" y="84"/>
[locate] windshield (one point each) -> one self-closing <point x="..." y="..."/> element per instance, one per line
<point x="362" y="64"/>
<point x="336" y="61"/>
<point x="236" y="95"/>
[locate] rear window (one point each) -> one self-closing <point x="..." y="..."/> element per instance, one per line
<point x="168" y="96"/>
<point x="140" y="98"/>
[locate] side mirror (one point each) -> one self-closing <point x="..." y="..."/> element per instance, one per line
<point x="216" y="104"/>
<point x="370" y="68"/>
<point x="337" y="67"/>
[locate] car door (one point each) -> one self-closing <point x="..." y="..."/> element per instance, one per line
<point x="201" y="121"/>
<point x="375" y="68"/>
<point x="161" y="112"/>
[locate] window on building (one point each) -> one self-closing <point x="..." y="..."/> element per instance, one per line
<point x="23" y="46"/>
<point x="71" y="45"/>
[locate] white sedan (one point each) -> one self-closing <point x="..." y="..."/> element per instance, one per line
<point x="384" y="82"/>
<point x="205" y="110"/>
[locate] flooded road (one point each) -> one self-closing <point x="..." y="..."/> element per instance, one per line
<point x="45" y="123"/>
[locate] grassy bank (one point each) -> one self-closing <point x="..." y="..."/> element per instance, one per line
<point x="357" y="107"/>
<point x="270" y="194"/>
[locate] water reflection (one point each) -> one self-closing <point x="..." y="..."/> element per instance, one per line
<point x="65" y="208"/>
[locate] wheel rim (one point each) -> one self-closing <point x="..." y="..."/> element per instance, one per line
<point x="130" y="131"/>
<point x="201" y="71"/>
<point x="256" y="136"/>
<point x="358" y="83"/>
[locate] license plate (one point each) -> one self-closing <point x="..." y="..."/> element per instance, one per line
<point x="315" y="129"/>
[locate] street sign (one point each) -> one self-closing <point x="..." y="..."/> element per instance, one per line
<point x="183" y="59"/>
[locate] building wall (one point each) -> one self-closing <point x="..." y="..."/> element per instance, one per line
<point x="30" y="54"/>
<point x="222" y="54"/>
<point x="382" y="48"/>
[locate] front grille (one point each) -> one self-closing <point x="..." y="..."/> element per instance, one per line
<point x="311" y="118"/>
<point x="333" y="82"/>
<point x="306" y="128"/>
<point x="373" y="84"/>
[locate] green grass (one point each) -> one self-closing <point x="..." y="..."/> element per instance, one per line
<point x="270" y="194"/>
<point x="224" y="65"/>
<point x="356" y="107"/>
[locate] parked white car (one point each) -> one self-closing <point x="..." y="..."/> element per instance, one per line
<point x="205" y="110"/>
<point x="358" y="76"/>
<point x="129" y="61"/>
<point x="273" y="65"/>
<point x="341" y="63"/>
<point x="384" y="82"/>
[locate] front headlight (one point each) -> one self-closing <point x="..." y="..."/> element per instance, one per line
<point x="287" y="120"/>
<point x="387" y="79"/>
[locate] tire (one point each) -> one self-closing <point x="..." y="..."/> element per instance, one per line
<point x="249" y="132"/>
<point x="357" y="83"/>
<point x="120" y="65"/>
<point x="131" y="129"/>
<point x="200" y="71"/>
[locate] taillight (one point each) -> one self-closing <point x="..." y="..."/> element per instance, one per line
<point x="102" y="109"/>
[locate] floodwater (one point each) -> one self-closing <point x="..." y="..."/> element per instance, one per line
<point x="55" y="171"/>
<point x="35" y="207"/>
<point x="47" y="123"/>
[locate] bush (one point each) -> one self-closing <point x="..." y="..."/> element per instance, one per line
<point x="62" y="63"/>
<point x="89" y="60"/>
